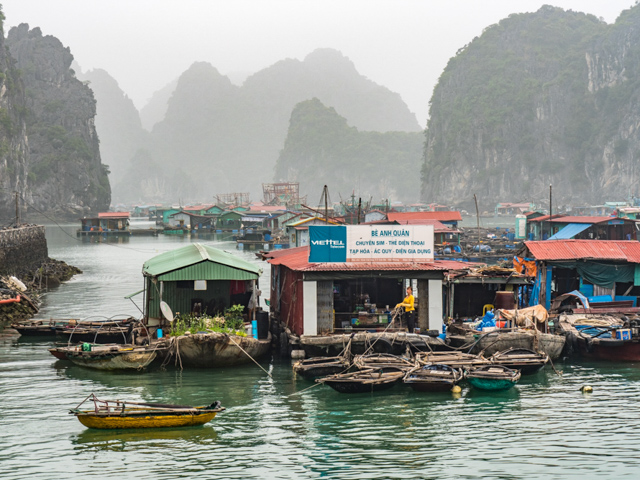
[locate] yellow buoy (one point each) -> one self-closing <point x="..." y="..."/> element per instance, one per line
<point x="586" y="389"/>
<point x="456" y="389"/>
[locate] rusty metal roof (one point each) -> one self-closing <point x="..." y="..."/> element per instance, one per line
<point x="113" y="215"/>
<point x="582" y="219"/>
<point x="616" y="250"/>
<point x="442" y="216"/>
<point x="298" y="259"/>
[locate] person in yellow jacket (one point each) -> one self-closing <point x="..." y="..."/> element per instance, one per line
<point x="409" y="309"/>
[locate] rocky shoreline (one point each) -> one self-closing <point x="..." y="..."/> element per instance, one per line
<point x="50" y="274"/>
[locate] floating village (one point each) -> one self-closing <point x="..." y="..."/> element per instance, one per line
<point x="361" y="297"/>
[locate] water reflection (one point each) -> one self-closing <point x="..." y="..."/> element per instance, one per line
<point x="124" y="439"/>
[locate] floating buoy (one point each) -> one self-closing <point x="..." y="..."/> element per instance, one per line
<point x="586" y="389"/>
<point x="456" y="389"/>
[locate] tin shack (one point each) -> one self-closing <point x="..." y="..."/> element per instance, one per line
<point x="198" y="279"/>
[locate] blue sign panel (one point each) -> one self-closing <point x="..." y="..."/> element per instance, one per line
<point x="327" y="243"/>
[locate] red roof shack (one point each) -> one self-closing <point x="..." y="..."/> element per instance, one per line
<point x="336" y="298"/>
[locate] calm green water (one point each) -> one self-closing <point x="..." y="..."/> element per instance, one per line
<point x="543" y="428"/>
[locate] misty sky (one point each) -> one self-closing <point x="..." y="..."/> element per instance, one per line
<point x="401" y="44"/>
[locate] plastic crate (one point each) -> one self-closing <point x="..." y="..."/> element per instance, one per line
<point x="623" y="334"/>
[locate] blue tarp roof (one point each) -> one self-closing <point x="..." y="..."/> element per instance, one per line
<point x="570" y="231"/>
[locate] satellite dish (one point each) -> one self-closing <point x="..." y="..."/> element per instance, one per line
<point x="166" y="311"/>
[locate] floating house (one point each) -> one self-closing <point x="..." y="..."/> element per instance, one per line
<point x="230" y="221"/>
<point x="505" y="209"/>
<point x="592" y="228"/>
<point x="106" y="223"/>
<point x="324" y="298"/>
<point x="188" y="221"/>
<point x="197" y="279"/>
<point x="607" y="269"/>
<point x="298" y="232"/>
<point x="448" y="217"/>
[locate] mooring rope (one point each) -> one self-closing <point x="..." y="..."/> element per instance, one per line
<point x="252" y="359"/>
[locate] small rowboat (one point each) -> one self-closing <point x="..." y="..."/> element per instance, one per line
<point x="39" y="328"/>
<point x="453" y="359"/>
<point x="110" y="414"/>
<point x="111" y="357"/>
<point x="492" y="377"/>
<point x="364" y="381"/>
<point x="433" y="378"/>
<point x="383" y="361"/>
<point x="317" y="367"/>
<point x="523" y="359"/>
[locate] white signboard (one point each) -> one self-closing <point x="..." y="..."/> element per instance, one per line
<point x="390" y="243"/>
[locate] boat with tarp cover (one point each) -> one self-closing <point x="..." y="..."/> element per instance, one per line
<point x="112" y="414"/>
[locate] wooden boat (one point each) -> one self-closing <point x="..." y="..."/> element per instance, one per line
<point x="383" y="361"/>
<point x="492" y="377"/>
<point x="489" y="343"/>
<point x="39" y="328"/>
<point x="601" y="337"/>
<point x="432" y="378"/>
<point x="363" y="381"/>
<point x="210" y="350"/>
<point x="109" y="414"/>
<point x="453" y="359"/>
<point x="523" y="359"/>
<point x="317" y="367"/>
<point x="110" y="357"/>
<point x="92" y="334"/>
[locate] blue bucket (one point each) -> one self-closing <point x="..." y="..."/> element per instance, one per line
<point x="254" y="328"/>
<point x="159" y="333"/>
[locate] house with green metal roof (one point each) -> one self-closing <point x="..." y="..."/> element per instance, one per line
<point x="197" y="278"/>
<point x="229" y="221"/>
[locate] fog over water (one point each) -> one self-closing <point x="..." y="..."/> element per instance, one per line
<point x="403" y="45"/>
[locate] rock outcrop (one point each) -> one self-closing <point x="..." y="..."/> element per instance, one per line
<point x="117" y="123"/>
<point x="227" y="138"/>
<point x="64" y="170"/>
<point x="550" y="97"/>
<point x="14" y="151"/>
<point x="322" y="149"/>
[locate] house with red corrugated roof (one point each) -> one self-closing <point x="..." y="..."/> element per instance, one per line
<point x="602" y="270"/>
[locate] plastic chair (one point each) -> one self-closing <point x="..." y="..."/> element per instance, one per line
<point x="487" y="308"/>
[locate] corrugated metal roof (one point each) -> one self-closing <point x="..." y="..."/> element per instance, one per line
<point x="581" y="219"/>
<point x="544" y="218"/>
<point x="570" y="231"/>
<point x="307" y="220"/>
<point x="298" y="259"/>
<point x="113" y="215"/>
<point x="618" y="250"/>
<point x="210" y="264"/>
<point x="442" y="216"/>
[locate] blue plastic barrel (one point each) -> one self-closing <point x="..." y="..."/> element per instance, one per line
<point x="159" y="333"/>
<point x="254" y="329"/>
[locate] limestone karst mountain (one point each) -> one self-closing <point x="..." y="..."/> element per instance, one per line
<point x="322" y="149"/>
<point x="51" y="113"/>
<point x="551" y="97"/>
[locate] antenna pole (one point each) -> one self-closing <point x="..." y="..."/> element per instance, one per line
<point x="17" y="210"/>
<point x="550" y="210"/>
<point x="326" y="204"/>
<point x="475" y="199"/>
